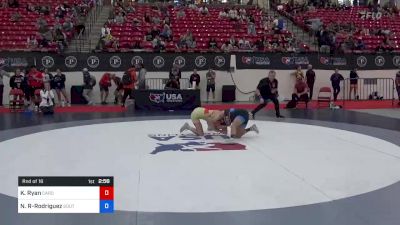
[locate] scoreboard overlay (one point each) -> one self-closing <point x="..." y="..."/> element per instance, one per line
<point x="65" y="194"/>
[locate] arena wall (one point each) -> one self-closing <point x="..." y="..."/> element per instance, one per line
<point x="246" y="81"/>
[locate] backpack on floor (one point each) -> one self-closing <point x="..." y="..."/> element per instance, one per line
<point x="291" y="104"/>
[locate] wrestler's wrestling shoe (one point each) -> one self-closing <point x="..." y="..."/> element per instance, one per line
<point x="184" y="127"/>
<point x="254" y="128"/>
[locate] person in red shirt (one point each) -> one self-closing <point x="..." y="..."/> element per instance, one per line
<point x="35" y="84"/>
<point x="105" y="83"/>
<point x="129" y="81"/>
<point x="300" y="91"/>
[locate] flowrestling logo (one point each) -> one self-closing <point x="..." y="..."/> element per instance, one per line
<point x="295" y="60"/>
<point x="165" y="97"/>
<point x="192" y="143"/>
<point x="333" y="61"/>
<point x="250" y="60"/>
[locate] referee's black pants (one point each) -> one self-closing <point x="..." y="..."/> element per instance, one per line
<point x="274" y="99"/>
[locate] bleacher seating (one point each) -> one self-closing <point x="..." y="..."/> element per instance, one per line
<point x="203" y="27"/>
<point x="14" y="34"/>
<point x="352" y="14"/>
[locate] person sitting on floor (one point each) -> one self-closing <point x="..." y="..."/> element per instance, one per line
<point x="47" y="103"/>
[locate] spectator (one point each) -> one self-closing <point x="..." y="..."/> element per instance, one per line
<point x="147" y="18"/>
<point x="107" y="41"/>
<point x="30" y="7"/>
<point x="60" y="11"/>
<point x="212" y="44"/>
<point x="398" y="86"/>
<point x="136" y="23"/>
<point x="119" y="90"/>
<point x="130" y="8"/>
<point x="119" y="19"/>
<point x="115" y="44"/>
<point x="47" y="38"/>
<point x="194" y="80"/>
<point x="237" y="26"/>
<point x="348" y="45"/>
<point x="158" y="44"/>
<point x="166" y="32"/>
<point x="359" y="44"/>
<point x="175" y="74"/>
<point x="59" y="86"/>
<point x="104" y="84"/>
<point x="17" y="80"/>
<point x="105" y="30"/>
<point x="299" y="73"/>
<point x="192" y="6"/>
<point x="45" y="10"/>
<point x="57" y="24"/>
<point x="129" y="81"/>
<point x="68" y="26"/>
<point x="156" y="20"/>
<point x="35" y="82"/>
<point x="300" y="92"/>
<point x="13" y="3"/>
<point x="172" y="84"/>
<point x="154" y="32"/>
<point x="222" y="14"/>
<point x="203" y="10"/>
<point x="89" y="82"/>
<point x="181" y="14"/>
<point x="242" y="11"/>
<point x="80" y="26"/>
<point x="48" y="78"/>
<point x="267" y="89"/>
<point x="388" y="44"/>
<point x="42" y="24"/>
<point x="210" y="75"/>
<point x="353" y="83"/>
<point x="251" y="29"/>
<point x="3" y="74"/>
<point x="260" y="44"/>
<point x="244" y="44"/>
<point x="167" y="21"/>
<point x="232" y="41"/>
<point x="31" y="42"/>
<point x="60" y="38"/>
<point x="335" y="80"/>
<point x="233" y="14"/>
<point x="226" y="47"/>
<point x="310" y="77"/>
<point x="142" y="77"/>
<point x="15" y="17"/>
<point x="47" y="100"/>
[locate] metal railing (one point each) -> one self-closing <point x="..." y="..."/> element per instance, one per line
<point x="159" y="83"/>
<point x="369" y="89"/>
<point x="89" y="24"/>
<point x="305" y="35"/>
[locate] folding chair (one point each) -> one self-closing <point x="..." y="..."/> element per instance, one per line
<point x="324" y="95"/>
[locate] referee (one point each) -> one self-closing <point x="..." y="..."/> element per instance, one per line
<point x="267" y="89"/>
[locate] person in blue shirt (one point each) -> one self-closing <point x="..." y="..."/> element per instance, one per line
<point x="237" y="119"/>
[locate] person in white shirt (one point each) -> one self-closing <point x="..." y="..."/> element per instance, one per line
<point x="47" y="103"/>
<point x="105" y="30"/>
<point x="222" y="14"/>
<point x="203" y="10"/>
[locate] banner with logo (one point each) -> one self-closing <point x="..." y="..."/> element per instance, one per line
<point x="281" y="61"/>
<point x="167" y="99"/>
<point x="116" y="61"/>
<point x="11" y="60"/>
